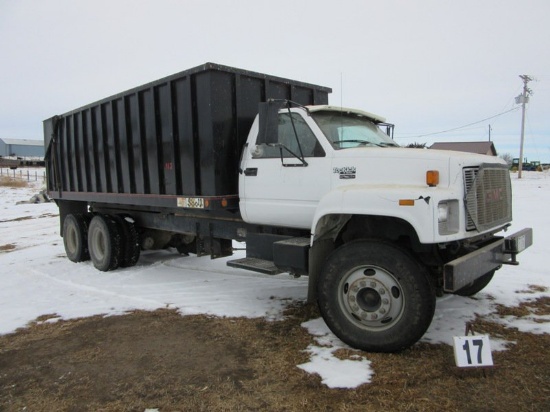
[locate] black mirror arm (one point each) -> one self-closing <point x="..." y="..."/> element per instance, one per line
<point x="301" y="157"/>
<point x="281" y="147"/>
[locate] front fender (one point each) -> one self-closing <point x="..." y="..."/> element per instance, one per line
<point x="413" y="204"/>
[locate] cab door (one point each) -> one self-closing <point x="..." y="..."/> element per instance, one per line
<point x="281" y="182"/>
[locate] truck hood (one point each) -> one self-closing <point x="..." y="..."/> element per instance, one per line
<point x="403" y="166"/>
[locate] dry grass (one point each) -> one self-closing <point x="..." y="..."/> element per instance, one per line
<point x="534" y="289"/>
<point x="6" y="181"/>
<point x="539" y="307"/>
<point x="198" y="363"/>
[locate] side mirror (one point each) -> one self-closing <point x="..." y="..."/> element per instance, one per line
<point x="269" y="122"/>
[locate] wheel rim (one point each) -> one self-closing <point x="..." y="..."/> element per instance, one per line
<point x="371" y="297"/>
<point x="98" y="244"/>
<point x="71" y="239"/>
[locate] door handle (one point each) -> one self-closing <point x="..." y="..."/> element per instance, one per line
<point x="251" y="171"/>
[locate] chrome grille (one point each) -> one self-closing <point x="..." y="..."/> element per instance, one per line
<point x="470" y="174"/>
<point x="488" y="196"/>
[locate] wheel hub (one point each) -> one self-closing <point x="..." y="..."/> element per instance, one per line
<point x="369" y="299"/>
<point x="372" y="297"/>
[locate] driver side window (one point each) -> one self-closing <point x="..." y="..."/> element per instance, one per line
<point x="286" y="136"/>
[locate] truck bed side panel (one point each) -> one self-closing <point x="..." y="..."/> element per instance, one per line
<point x="177" y="136"/>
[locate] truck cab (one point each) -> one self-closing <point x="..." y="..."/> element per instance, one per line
<point x="325" y="161"/>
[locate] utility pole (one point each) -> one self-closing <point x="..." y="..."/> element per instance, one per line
<point x="489" y="132"/>
<point x="523" y="99"/>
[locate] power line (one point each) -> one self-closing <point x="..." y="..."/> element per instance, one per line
<point x="466" y="125"/>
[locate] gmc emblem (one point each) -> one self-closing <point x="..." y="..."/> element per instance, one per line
<point x="493" y="195"/>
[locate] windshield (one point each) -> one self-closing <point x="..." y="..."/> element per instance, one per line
<point x="345" y="130"/>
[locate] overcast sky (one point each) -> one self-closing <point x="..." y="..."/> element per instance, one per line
<point x="426" y="65"/>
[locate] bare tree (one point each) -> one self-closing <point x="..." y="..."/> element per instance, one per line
<point x="416" y="145"/>
<point x="506" y="157"/>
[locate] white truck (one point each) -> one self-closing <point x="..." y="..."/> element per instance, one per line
<point x="323" y="191"/>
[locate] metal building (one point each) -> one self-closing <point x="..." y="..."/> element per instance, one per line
<point x="21" y="147"/>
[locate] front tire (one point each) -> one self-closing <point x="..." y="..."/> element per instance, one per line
<point x="375" y="296"/>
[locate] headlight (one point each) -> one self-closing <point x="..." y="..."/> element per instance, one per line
<point x="442" y="212"/>
<point x="448" y="217"/>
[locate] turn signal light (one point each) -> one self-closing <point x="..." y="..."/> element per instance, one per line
<point x="432" y="178"/>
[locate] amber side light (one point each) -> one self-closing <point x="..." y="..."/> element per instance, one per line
<point x="432" y="178"/>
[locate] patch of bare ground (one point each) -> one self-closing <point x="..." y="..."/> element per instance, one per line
<point x="17" y="219"/>
<point x="7" y="248"/>
<point x="199" y="363"/>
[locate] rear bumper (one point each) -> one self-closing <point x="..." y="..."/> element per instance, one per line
<point x="466" y="269"/>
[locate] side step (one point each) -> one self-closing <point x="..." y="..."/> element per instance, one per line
<point x="256" y="265"/>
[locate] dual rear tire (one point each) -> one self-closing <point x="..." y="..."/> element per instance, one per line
<point x="110" y="241"/>
<point x="75" y="237"/>
<point x="104" y="243"/>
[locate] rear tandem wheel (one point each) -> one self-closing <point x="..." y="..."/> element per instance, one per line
<point x="75" y="237"/>
<point x="104" y="242"/>
<point x="130" y="247"/>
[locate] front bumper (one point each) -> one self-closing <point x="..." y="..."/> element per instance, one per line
<point x="466" y="269"/>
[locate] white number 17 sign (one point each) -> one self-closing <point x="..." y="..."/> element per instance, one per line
<point x="472" y="351"/>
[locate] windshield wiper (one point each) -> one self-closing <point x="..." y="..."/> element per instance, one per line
<point x="366" y="142"/>
<point x="352" y="141"/>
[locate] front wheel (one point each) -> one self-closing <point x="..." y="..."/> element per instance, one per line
<point x="375" y="296"/>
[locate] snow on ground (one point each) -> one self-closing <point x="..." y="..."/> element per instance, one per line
<point x="37" y="279"/>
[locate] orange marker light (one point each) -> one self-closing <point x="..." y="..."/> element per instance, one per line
<point x="224" y="202"/>
<point x="207" y="204"/>
<point x="432" y="178"/>
<point x="406" y="202"/>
